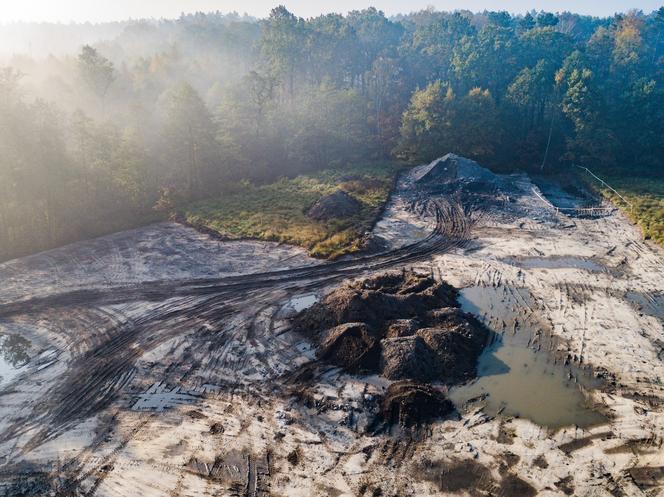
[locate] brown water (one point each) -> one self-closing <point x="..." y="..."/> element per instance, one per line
<point x="513" y="379"/>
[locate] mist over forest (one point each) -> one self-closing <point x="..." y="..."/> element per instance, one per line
<point x="105" y="127"/>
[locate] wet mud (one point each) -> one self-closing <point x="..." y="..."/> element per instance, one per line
<point x="651" y="304"/>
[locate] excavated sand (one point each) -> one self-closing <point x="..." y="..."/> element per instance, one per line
<point x="207" y="394"/>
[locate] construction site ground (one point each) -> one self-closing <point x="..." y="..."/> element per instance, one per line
<point x="161" y="362"/>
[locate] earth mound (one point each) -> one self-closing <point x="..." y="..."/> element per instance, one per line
<point x="407" y="403"/>
<point x="451" y="168"/>
<point x="352" y="346"/>
<point x="377" y="301"/>
<point x="401" y="325"/>
<point x="401" y="328"/>
<point x="408" y="357"/>
<point x="336" y="205"/>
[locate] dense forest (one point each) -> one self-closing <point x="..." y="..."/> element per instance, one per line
<point x="162" y="113"/>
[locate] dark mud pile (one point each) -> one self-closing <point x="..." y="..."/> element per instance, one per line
<point x="476" y="188"/>
<point x="405" y="327"/>
<point x="336" y="205"/>
<point x="452" y="167"/>
<point x="463" y="177"/>
<point x="409" y="403"/>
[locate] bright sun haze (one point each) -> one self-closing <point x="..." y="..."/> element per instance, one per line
<point x="100" y="11"/>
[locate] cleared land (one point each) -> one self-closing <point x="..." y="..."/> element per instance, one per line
<point x="278" y="211"/>
<point x="162" y="362"/>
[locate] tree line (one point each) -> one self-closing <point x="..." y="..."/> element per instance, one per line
<point x="169" y="112"/>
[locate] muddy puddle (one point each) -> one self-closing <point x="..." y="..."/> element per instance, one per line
<point x="568" y="262"/>
<point x="13" y="357"/>
<point x="513" y="378"/>
<point x="302" y="302"/>
<point x="564" y="196"/>
<point x="651" y="304"/>
<point x="159" y="397"/>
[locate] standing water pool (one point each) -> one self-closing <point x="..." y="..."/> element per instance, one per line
<point x="515" y="379"/>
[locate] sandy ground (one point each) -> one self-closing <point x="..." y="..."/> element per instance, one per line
<point x="202" y="389"/>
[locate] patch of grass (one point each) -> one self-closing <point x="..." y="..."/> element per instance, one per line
<point x="646" y="203"/>
<point x="278" y="211"/>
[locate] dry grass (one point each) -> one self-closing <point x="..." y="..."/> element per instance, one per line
<point x="277" y="211"/>
<point x="646" y="203"/>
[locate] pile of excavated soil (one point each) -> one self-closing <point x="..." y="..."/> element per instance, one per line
<point x="336" y="205"/>
<point x="452" y="167"/>
<point x="403" y="326"/>
<point x="408" y="403"/>
<point x="473" y="185"/>
<point x="377" y="301"/>
<point x="352" y="346"/>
